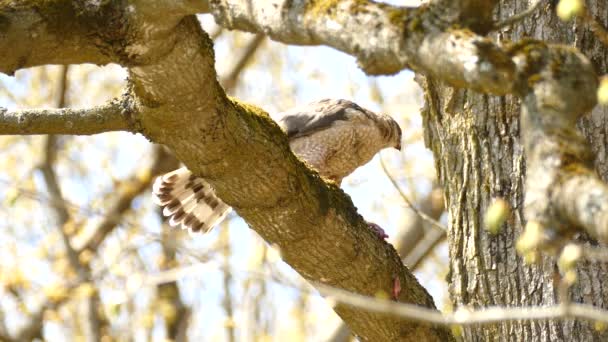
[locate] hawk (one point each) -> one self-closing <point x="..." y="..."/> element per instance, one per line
<point x="333" y="136"/>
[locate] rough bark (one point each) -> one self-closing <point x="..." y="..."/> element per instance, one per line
<point x="475" y="139"/>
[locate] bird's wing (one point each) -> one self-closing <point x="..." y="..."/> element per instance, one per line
<point x="188" y="201"/>
<point x="317" y="116"/>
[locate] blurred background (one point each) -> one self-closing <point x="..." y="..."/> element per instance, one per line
<point x="85" y="254"/>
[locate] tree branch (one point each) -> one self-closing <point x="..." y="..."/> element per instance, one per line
<point x="407" y="201"/>
<point x="230" y="81"/>
<point x="419" y="239"/>
<point x="418" y="38"/>
<point x="106" y="118"/>
<point x="92" y="321"/>
<point x="562" y="189"/>
<point x="137" y="183"/>
<point x="463" y="316"/>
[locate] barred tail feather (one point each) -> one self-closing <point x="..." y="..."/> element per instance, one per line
<point x="189" y="201"/>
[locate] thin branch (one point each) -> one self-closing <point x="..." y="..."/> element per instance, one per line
<point x="227" y="281"/>
<point x="176" y="325"/>
<point x="62" y="219"/>
<point x="417" y="242"/>
<point x="519" y="16"/>
<point x="46" y="199"/>
<point x="216" y="33"/>
<point x="230" y="80"/>
<point x="462" y="316"/>
<point x="107" y="118"/>
<point x="424" y="247"/>
<point x="407" y="201"/>
<point x="137" y="184"/>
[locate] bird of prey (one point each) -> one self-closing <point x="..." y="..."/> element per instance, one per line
<point x="333" y="136"/>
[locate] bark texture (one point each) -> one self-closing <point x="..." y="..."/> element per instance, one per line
<point x="475" y="139"/>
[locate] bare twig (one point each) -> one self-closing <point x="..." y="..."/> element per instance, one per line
<point x="130" y="189"/>
<point x="227" y="280"/>
<point x="230" y="80"/>
<point x="106" y="118"/>
<point x="46" y="199"/>
<point x="216" y="33"/>
<point x="462" y="316"/>
<point x="424" y="247"/>
<point x="422" y="215"/>
<point x="62" y="217"/>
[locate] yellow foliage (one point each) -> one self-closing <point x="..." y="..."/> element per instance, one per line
<point x="14" y="278"/>
<point x="567" y="9"/>
<point x="55" y="292"/>
<point x="51" y="315"/>
<point x="144" y="175"/>
<point x="85" y="257"/>
<point x="167" y="310"/>
<point x="602" y="91"/>
<point x="569" y="257"/>
<point x="531" y="238"/>
<point x="147" y="320"/>
<point x="496" y="215"/>
<point x="85" y="290"/>
<point x="229" y="322"/>
<point x="62" y="266"/>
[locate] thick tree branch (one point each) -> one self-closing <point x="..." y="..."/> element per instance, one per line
<point x="53" y="33"/>
<point x="418" y="38"/>
<point x="418" y="240"/>
<point x="110" y="117"/>
<point x="73" y="32"/>
<point x="562" y="189"/>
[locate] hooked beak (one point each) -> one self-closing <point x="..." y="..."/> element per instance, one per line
<point x="398" y="147"/>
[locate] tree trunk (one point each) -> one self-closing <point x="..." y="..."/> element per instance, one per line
<point x="476" y="143"/>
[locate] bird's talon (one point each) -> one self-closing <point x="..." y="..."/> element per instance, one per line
<point x="378" y="230"/>
<point x="396" y="288"/>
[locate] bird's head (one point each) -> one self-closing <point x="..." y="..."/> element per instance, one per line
<point x="393" y="132"/>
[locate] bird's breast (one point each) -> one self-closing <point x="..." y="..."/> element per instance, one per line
<point x="337" y="151"/>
